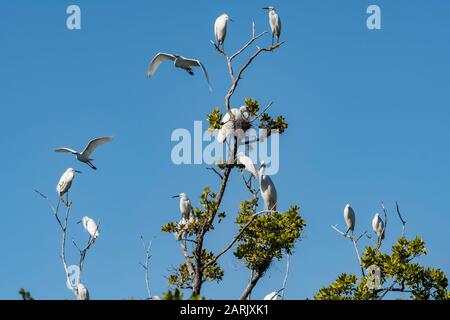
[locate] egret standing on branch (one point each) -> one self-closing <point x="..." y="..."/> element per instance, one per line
<point x="349" y="217"/>
<point x="235" y="121"/>
<point x="90" y="226"/>
<point x="187" y="215"/>
<point x="275" y="23"/>
<point x="65" y="182"/>
<point x="220" y="29"/>
<point x="85" y="156"/>
<point x="179" y="62"/>
<point x="248" y="164"/>
<point x="267" y="188"/>
<point x="378" y="226"/>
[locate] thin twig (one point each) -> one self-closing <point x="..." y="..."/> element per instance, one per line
<point x="283" y="288"/>
<point x="401" y="219"/>
<point x="355" y="245"/>
<point x="215" y="171"/>
<point x="146" y="265"/>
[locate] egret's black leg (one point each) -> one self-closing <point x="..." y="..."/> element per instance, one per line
<point x="189" y="70"/>
<point x="273" y="36"/>
<point x="91" y="165"/>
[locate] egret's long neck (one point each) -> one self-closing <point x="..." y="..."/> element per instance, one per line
<point x="261" y="172"/>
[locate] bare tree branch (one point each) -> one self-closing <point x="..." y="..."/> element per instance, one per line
<point x="355" y="245"/>
<point x="215" y="171"/>
<point x="401" y="219"/>
<point x="283" y="288"/>
<point x="146" y="265"/>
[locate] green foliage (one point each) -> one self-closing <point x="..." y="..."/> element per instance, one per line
<point x="175" y="295"/>
<point x="215" y="119"/>
<point x="268" y="236"/>
<point x="252" y="106"/>
<point x="180" y="277"/>
<point x="213" y="272"/>
<point x="279" y="124"/>
<point x="26" y="295"/>
<point x="398" y="274"/>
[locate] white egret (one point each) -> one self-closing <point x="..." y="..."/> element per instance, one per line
<point x="267" y="188"/>
<point x="272" y="296"/>
<point x="350" y="218"/>
<point x="275" y="23"/>
<point x="378" y="226"/>
<point x="90" y="226"/>
<point x="220" y="29"/>
<point x="85" y="156"/>
<point x="187" y="215"/>
<point x="236" y="125"/>
<point x="248" y="164"/>
<point x="156" y="298"/>
<point x="179" y="62"/>
<point x="82" y="292"/>
<point x="65" y="182"/>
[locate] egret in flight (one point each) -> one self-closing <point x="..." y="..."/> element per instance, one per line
<point x="220" y="29"/>
<point x="179" y="62"/>
<point x="85" y="156"/>
<point x="90" y="226"/>
<point x="349" y="217"/>
<point x="82" y="292"/>
<point x="65" y="182"/>
<point x="378" y="226"/>
<point x="267" y="188"/>
<point x="275" y="23"/>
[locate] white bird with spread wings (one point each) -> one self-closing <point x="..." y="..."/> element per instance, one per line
<point x="179" y="62"/>
<point x="85" y="156"/>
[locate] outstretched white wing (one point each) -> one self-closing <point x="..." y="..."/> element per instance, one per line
<point x="94" y="144"/>
<point x="160" y="57"/>
<point x="248" y="163"/>
<point x="197" y="63"/>
<point x="65" y="150"/>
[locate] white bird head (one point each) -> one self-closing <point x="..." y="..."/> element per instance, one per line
<point x="72" y="170"/>
<point x="182" y="196"/>
<point x="84" y="220"/>
<point x="226" y="17"/>
<point x="270" y="8"/>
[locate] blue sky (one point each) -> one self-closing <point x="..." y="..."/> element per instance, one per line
<point x="368" y="115"/>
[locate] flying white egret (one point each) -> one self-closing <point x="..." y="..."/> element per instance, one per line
<point x="272" y="296"/>
<point x="65" y="182"/>
<point x="378" y="226"/>
<point x="349" y="217"/>
<point x="275" y="23"/>
<point x="187" y="214"/>
<point x="267" y="188"/>
<point x="90" y="226"/>
<point x="220" y="29"/>
<point x="241" y="123"/>
<point x="82" y="292"/>
<point x="248" y="163"/>
<point x="85" y="156"/>
<point x="179" y="62"/>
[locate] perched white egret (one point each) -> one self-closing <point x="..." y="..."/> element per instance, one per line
<point x="156" y="298"/>
<point x="82" y="292"/>
<point x="350" y="218"/>
<point x="65" y="182"/>
<point x="272" y="296"/>
<point x="179" y="62"/>
<point x="90" y="226"/>
<point x="220" y="29"/>
<point x="378" y="226"/>
<point x="85" y="156"/>
<point x="187" y="215"/>
<point x="248" y="164"/>
<point x="267" y="188"/>
<point x="236" y="125"/>
<point x="275" y="23"/>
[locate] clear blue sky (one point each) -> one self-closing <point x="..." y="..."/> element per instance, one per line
<point x="368" y="115"/>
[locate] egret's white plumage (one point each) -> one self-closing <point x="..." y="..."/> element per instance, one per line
<point x="187" y="215"/>
<point x="275" y="23"/>
<point x="82" y="292"/>
<point x="85" y="156"/>
<point x="90" y="226"/>
<point x="378" y="226"/>
<point x="272" y="296"/>
<point x="248" y="164"/>
<point x="65" y="182"/>
<point x="349" y="217"/>
<point x="267" y="188"/>
<point x="179" y="62"/>
<point x="220" y="28"/>
<point x="234" y="122"/>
